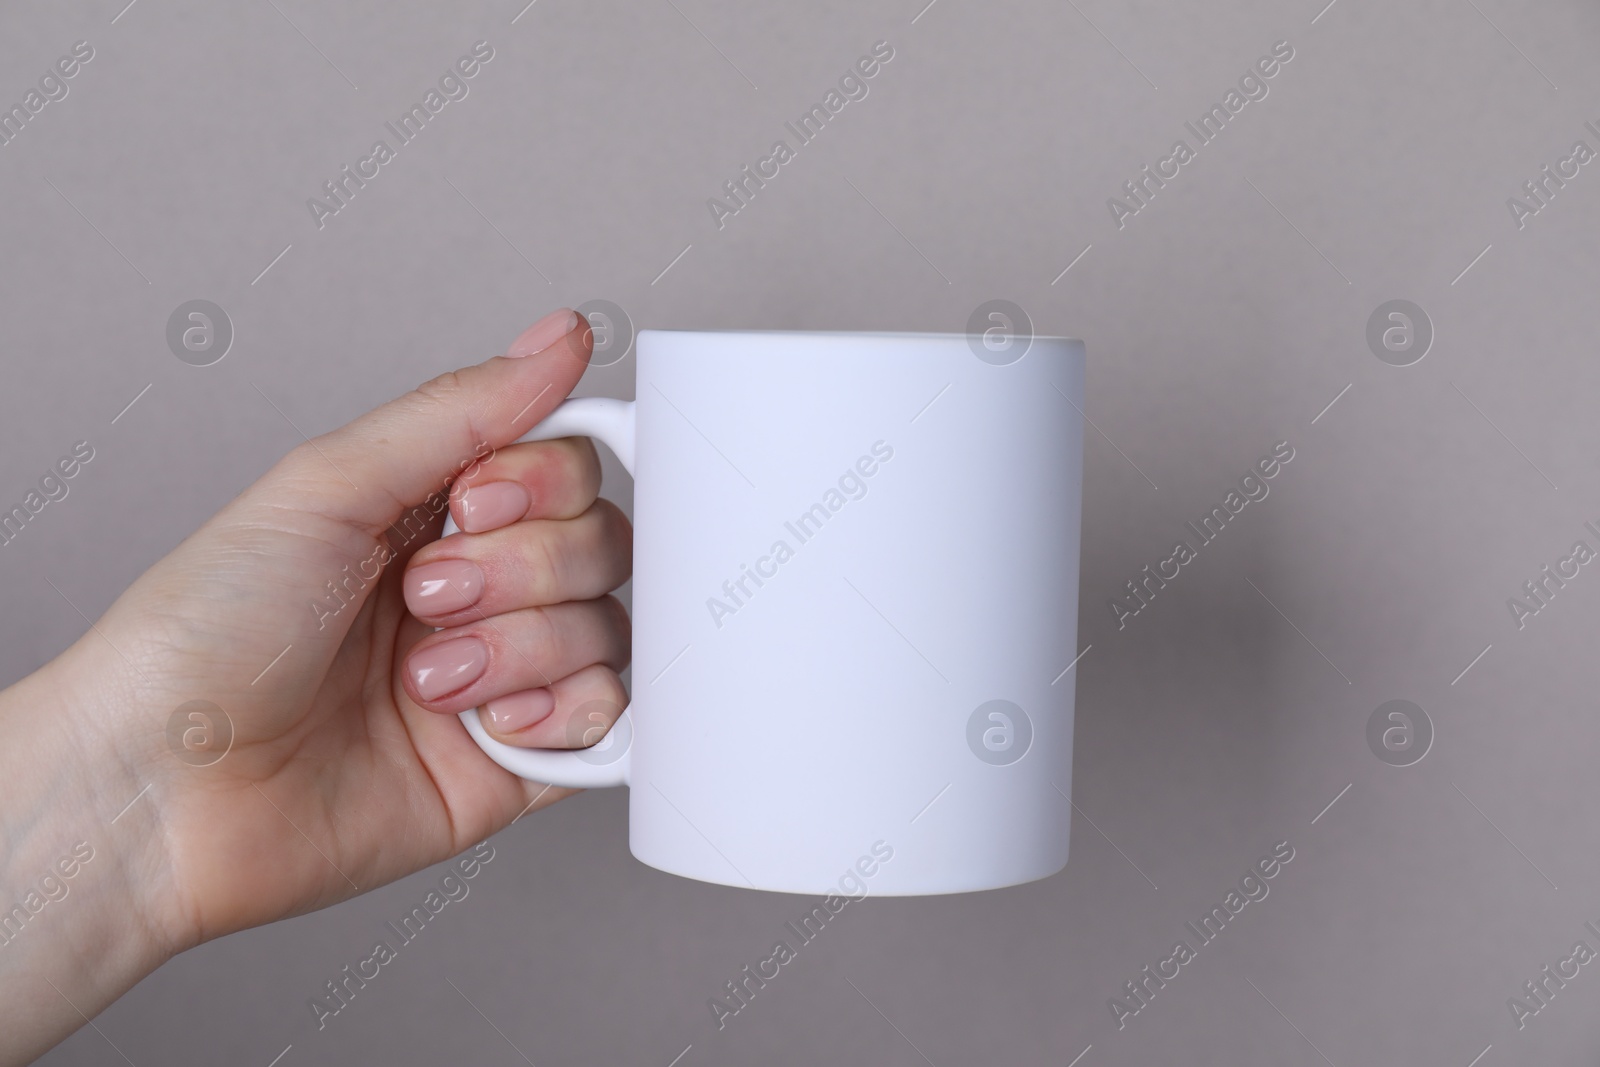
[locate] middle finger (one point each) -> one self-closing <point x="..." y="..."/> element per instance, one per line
<point x="525" y="565"/>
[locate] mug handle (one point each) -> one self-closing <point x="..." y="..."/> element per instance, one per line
<point x="611" y="422"/>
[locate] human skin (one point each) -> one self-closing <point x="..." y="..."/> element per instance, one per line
<point x="341" y="777"/>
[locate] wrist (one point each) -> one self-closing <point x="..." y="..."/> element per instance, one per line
<point x="85" y="899"/>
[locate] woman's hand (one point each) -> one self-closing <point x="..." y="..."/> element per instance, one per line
<point x="304" y="611"/>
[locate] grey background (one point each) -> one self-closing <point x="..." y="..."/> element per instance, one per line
<point x="1222" y="318"/>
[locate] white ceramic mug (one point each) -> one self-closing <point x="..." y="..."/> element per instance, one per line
<point x="855" y="598"/>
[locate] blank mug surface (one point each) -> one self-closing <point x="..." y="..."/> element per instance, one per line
<point x="855" y="593"/>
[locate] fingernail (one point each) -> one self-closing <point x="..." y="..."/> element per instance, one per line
<point x="514" y="711"/>
<point x="544" y="333"/>
<point x="492" y="505"/>
<point x="442" y="587"/>
<point x="446" y="667"/>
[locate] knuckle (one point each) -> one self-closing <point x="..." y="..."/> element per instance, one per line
<point x="616" y="525"/>
<point x="620" y="628"/>
<point x="545" y="633"/>
<point x="613" y="689"/>
<point x="574" y="463"/>
<point x="612" y="541"/>
<point x="617" y="613"/>
<point x="443" y="389"/>
<point x="449" y="393"/>
<point x="551" y="553"/>
<point x="589" y="457"/>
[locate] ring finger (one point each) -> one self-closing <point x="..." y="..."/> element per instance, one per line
<point x="455" y="669"/>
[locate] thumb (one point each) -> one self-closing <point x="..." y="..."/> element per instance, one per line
<point x="367" y="473"/>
